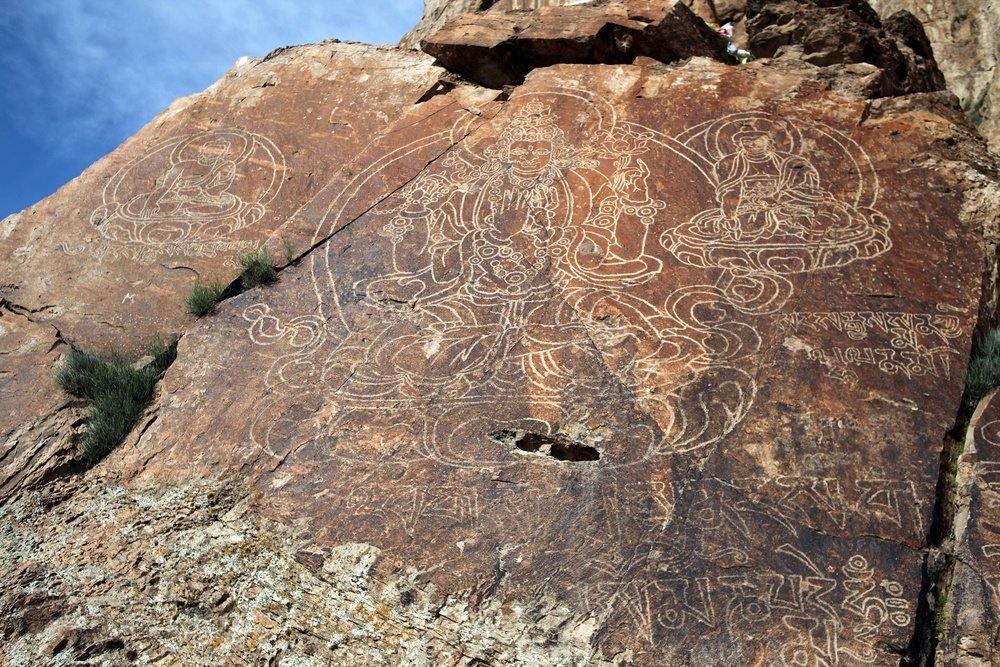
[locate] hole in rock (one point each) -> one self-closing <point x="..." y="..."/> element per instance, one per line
<point x="572" y="451"/>
<point x="531" y="442"/>
<point x="557" y="446"/>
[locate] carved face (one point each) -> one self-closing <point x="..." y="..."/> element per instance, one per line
<point x="528" y="158"/>
<point x="213" y="152"/>
<point x="757" y="146"/>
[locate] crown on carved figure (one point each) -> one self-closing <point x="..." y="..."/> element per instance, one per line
<point x="534" y="122"/>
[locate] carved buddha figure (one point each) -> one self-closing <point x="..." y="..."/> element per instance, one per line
<point x="194" y="187"/>
<point x="488" y="231"/>
<point x="500" y="235"/>
<point x="767" y="195"/>
<point x="192" y="198"/>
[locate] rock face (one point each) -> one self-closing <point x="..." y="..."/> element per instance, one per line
<point x="35" y="432"/>
<point x="498" y="49"/>
<point x="630" y="364"/>
<point x="246" y="596"/>
<point x="850" y="32"/>
<point x="961" y="33"/>
<point x="110" y="260"/>
<point x="436" y="12"/>
<point x="965" y="42"/>
<point x="972" y="615"/>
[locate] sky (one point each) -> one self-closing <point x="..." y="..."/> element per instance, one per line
<point x="78" y="77"/>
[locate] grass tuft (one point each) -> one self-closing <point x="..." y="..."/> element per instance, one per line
<point x="203" y="297"/>
<point x="983" y="374"/>
<point x="116" y="393"/>
<point x="258" y="268"/>
<point x="940" y="614"/>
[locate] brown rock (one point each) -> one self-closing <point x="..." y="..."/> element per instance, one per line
<point x="111" y="257"/>
<point x="572" y="344"/>
<point x="35" y="418"/>
<point x="436" y="12"/>
<point x="500" y="48"/>
<point x="963" y="34"/>
<point x="970" y="614"/>
<point x="829" y="33"/>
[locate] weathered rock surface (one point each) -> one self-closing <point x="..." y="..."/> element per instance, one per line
<point x="964" y="36"/>
<point x="111" y="257"/>
<point x="824" y="33"/>
<point x="36" y="421"/>
<point x="91" y="576"/>
<point x="500" y="48"/>
<point x="971" y="616"/>
<point x="436" y="12"/>
<point x="630" y="364"/>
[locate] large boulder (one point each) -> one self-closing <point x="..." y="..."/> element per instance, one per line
<point x="829" y="33"/>
<point x="964" y="37"/>
<point x="499" y="47"/>
<point x="630" y="364"/>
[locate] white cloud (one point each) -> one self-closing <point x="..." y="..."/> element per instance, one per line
<point x="83" y="71"/>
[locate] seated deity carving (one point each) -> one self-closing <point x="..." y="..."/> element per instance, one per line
<point x="497" y="237"/>
<point x="194" y="196"/>
<point x="773" y="214"/>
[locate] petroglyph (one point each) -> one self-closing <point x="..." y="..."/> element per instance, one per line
<point x="910" y="344"/>
<point x="407" y="505"/>
<point x="774" y="213"/>
<point x="188" y="196"/>
<point x="531" y="265"/>
<point x="837" y="611"/>
<point x="538" y="285"/>
<point x="987" y="533"/>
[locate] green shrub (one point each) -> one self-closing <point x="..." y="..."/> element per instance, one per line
<point x="258" y="268"/>
<point x="163" y="354"/>
<point x="983" y="374"/>
<point x="289" y="251"/>
<point x="116" y="393"/>
<point x="203" y="297"/>
<point x="940" y="614"/>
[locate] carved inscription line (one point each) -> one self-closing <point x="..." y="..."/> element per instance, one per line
<point x="916" y="344"/>
<point x="839" y="616"/>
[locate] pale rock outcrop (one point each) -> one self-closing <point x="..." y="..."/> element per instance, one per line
<point x="967" y="47"/>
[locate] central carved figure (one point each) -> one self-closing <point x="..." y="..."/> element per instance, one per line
<point x="498" y="249"/>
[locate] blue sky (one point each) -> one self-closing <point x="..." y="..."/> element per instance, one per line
<point x="81" y="76"/>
